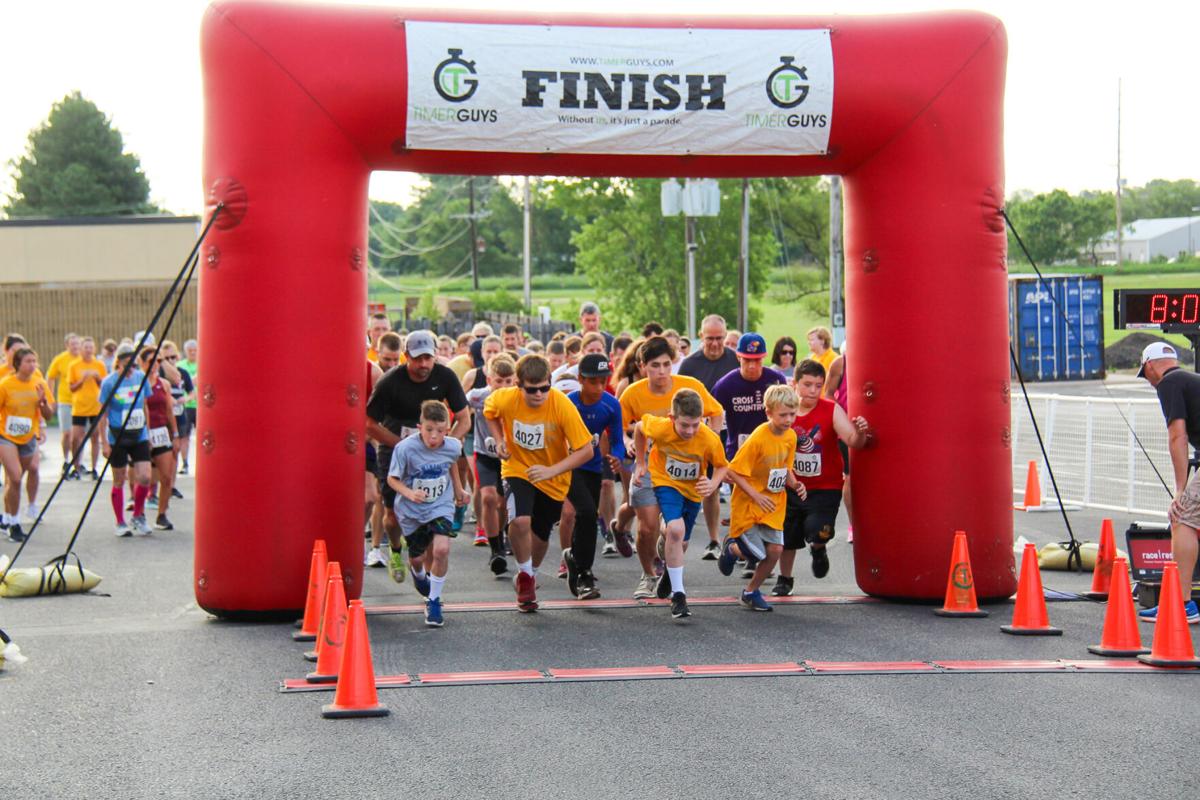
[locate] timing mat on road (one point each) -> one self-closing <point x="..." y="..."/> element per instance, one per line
<point x="787" y="668"/>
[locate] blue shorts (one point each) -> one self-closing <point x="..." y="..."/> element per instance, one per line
<point x="674" y="505"/>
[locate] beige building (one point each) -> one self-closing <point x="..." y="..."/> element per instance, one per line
<point x="97" y="276"/>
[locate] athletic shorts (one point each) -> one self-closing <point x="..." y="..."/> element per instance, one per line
<point x="675" y="506"/>
<point x="383" y="462"/>
<point x="526" y="500"/>
<point x="83" y="422"/>
<point x="64" y="415"/>
<point x="487" y="472"/>
<point x="183" y="427"/>
<point x="372" y="458"/>
<point x="641" y="495"/>
<point x="124" y="453"/>
<point x="1186" y="509"/>
<point x="753" y="541"/>
<point x="811" y="520"/>
<point x="190" y="413"/>
<point x="155" y="452"/>
<point x="419" y="540"/>
<point x="23" y="450"/>
<point x="845" y="457"/>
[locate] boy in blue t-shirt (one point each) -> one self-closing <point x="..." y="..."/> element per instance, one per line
<point x="423" y="474"/>
<point x="601" y="413"/>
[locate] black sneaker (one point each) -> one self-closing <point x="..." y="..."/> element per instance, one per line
<point x="586" y="586"/>
<point x="15" y="534"/>
<point x="820" y="562"/>
<point x="499" y="564"/>
<point x="572" y="571"/>
<point x="184" y="469"/>
<point x="663" y="590"/>
<point x="178" y="495"/>
<point x="783" y="586"/>
<point x="163" y="524"/>
<point x="679" y="606"/>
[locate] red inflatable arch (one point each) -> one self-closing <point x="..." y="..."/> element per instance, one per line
<point x="303" y="102"/>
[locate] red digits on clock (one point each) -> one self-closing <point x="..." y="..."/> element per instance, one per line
<point x="1190" y="315"/>
<point x="1158" y="308"/>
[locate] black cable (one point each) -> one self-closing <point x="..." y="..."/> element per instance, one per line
<point x="1067" y="328"/>
<point x="185" y="275"/>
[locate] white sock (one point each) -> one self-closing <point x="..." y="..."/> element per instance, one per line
<point x="435" y="586"/>
<point x="526" y="567"/>
<point x="676" y="575"/>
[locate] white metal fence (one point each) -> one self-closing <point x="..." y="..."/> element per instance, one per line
<point x="1096" y="461"/>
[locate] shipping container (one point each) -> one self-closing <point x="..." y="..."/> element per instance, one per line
<point x="1057" y="326"/>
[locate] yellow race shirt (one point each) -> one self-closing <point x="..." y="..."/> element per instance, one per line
<point x="543" y="435"/>
<point x="764" y="460"/>
<point x="6" y="370"/>
<point x="637" y="400"/>
<point x="678" y="462"/>
<point x="58" y="371"/>
<point x="20" y="418"/>
<point x="86" y="401"/>
<point x="826" y="359"/>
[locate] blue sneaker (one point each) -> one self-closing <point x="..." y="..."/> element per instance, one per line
<point x="433" y="613"/>
<point x="1190" y="610"/>
<point x="755" y="602"/>
<point x="727" y="560"/>
<point x="421" y="584"/>
<point x="459" y="513"/>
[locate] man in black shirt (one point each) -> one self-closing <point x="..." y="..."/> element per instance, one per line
<point x="1179" y="396"/>
<point x="708" y="365"/>
<point x="394" y="413"/>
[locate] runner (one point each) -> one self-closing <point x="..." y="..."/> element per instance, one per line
<point x="25" y="402"/>
<point x="57" y="376"/>
<point x="445" y="350"/>
<point x="708" y="365"/>
<point x="128" y="407"/>
<point x="372" y="511"/>
<point x="108" y="353"/>
<point x="589" y="322"/>
<point x="761" y="473"/>
<point x="512" y="336"/>
<point x="683" y="450"/>
<point x="393" y="414"/>
<point x="652" y="395"/>
<point x="377" y="326"/>
<point x="820" y="424"/>
<point x="462" y="360"/>
<point x="161" y="421"/>
<point x="556" y="355"/>
<point x="182" y="388"/>
<point x="421" y="473"/>
<point x="501" y="374"/>
<point x="485" y="349"/>
<point x="672" y="337"/>
<point x="190" y="351"/>
<point x="821" y="341"/>
<point x="540" y="437"/>
<point x="837" y="389"/>
<point x="84" y="377"/>
<point x="783" y="355"/>
<point x="601" y="414"/>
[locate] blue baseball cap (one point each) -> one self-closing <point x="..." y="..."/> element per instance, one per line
<point x="751" y="345"/>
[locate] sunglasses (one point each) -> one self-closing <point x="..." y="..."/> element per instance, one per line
<point x="786" y="352"/>
<point x="170" y="358"/>
<point x="543" y="389"/>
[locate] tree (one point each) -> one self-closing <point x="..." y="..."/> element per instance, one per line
<point x="1047" y="225"/>
<point x="634" y="257"/>
<point x="75" y="165"/>
<point x="1161" y="198"/>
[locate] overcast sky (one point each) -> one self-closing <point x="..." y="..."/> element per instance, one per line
<point x="138" y="61"/>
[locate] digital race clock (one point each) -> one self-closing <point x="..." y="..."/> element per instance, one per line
<point x="1170" y="310"/>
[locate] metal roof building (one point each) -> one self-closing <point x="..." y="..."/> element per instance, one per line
<point x="1148" y="239"/>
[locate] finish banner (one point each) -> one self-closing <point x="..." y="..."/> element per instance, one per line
<point x="643" y="91"/>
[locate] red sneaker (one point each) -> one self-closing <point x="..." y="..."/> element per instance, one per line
<point x="481" y="539"/>
<point x="526" y="586"/>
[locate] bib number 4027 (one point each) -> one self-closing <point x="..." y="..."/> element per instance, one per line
<point x="530" y="437"/>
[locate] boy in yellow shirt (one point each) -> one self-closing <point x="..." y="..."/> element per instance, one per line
<point x="761" y="472"/>
<point x="678" y="464"/>
<point x="539" y="438"/>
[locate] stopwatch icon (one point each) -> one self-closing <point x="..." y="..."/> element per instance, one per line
<point x="784" y="85"/>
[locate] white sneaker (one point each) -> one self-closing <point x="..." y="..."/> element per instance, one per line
<point x="123" y="529"/>
<point x="32" y="511"/>
<point x="375" y="558"/>
<point x="647" y="587"/>
<point x="141" y="526"/>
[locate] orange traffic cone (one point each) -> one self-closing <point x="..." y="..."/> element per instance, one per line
<point x="316" y="595"/>
<point x="960" y="585"/>
<point x="1029" y="613"/>
<point x="1172" y="645"/>
<point x="333" y="628"/>
<point x="1121" y="636"/>
<point x="1033" y="489"/>
<point x="355" y="695"/>
<point x="1102" y="574"/>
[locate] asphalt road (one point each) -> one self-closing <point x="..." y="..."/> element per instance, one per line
<point x="132" y="691"/>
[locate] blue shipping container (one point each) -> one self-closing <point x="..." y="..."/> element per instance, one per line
<point x="1057" y="327"/>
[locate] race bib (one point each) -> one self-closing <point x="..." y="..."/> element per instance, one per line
<point x="160" y="437"/>
<point x="777" y="480"/>
<point x="433" y="487"/>
<point x="683" y="470"/>
<point x="406" y="432"/>
<point x="177" y="409"/>
<point x="808" y="464"/>
<point x="18" y="426"/>
<point x="136" y="420"/>
<point x="742" y="437"/>
<point x="530" y="437"/>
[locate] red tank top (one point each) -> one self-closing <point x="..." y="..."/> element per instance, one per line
<point x="818" y="462"/>
<point x="157" y="404"/>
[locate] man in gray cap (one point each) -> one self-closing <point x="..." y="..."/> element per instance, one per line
<point x="589" y="320"/>
<point x="1179" y="396"/>
<point x="394" y="413"/>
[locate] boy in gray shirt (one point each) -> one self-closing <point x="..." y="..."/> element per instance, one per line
<point x="427" y="490"/>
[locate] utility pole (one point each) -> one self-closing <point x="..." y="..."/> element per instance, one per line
<point x="1120" y="233"/>
<point x="744" y="263"/>
<point x="528" y="296"/>
<point x="837" y="302"/>
<point x="474" y="244"/>
<point x="691" y="274"/>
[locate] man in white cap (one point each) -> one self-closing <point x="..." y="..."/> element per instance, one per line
<point x="1179" y="396"/>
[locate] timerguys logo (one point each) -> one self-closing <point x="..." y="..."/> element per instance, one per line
<point x="449" y="77"/>
<point x="784" y="87"/>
